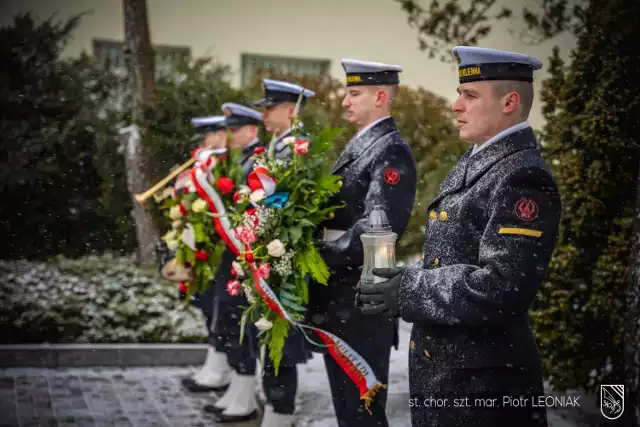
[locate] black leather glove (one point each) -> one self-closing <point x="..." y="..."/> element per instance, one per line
<point x="380" y="297"/>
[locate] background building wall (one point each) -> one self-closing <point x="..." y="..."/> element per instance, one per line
<point x="320" y="31"/>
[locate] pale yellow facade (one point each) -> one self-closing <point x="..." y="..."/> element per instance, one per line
<point x="375" y="30"/>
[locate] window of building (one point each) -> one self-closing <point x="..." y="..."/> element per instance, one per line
<point x="251" y="64"/>
<point x="111" y="53"/>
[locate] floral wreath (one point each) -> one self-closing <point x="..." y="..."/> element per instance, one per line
<point x="272" y="226"/>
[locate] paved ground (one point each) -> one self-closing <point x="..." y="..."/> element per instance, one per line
<point x="137" y="397"/>
<point x="142" y="397"/>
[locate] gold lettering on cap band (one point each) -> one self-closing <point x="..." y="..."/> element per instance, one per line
<point x="353" y="79"/>
<point x="469" y="71"/>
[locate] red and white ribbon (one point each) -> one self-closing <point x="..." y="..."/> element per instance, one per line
<point x="259" y="179"/>
<point x="182" y="181"/>
<point x="354" y="365"/>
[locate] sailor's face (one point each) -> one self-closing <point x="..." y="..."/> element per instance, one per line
<point x="359" y="102"/>
<point x="242" y="136"/>
<point x="477" y="111"/>
<point x="276" y="118"/>
<point x="214" y="140"/>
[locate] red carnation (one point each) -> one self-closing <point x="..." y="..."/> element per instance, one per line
<point x="202" y="255"/>
<point x="264" y="271"/>
<point x="225" y="184"/>
<point x="233" y="288"/>
<point x="258" y="150"/>
<point x="249" y="258"/>
<point x="234" y="273"/>
<point x="248" y="236"/>
<point x="252" y="210"/>
<point x="301" y="146"/>
<point x="236" y="197"/>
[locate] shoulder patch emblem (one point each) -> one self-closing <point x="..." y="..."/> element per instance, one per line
<point x="391" y="176"/>
<point x="526" y="209"/>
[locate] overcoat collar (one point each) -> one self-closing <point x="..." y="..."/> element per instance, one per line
<point x="469" y="168"/>
<point x="359" y="144"/>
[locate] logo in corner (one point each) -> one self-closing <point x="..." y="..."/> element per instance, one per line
<point x="526" y="209"/>
<point x="612" y="401"/>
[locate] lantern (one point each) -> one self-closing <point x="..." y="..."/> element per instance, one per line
<point x="378" y="242"/>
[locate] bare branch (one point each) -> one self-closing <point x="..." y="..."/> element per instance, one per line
<point x="442" y="25"/>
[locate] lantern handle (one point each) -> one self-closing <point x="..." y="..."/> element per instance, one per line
<point x="378" y="221"/>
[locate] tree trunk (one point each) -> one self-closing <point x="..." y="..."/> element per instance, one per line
<point x="140" y="63"/>
<point x="632" y="335"/>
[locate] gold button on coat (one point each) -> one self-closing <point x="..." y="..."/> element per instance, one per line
<point x="443" y="216"/>
<point x="436" y="262"/>
<point x="433" y="215"/>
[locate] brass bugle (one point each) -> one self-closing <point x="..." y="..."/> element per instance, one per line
<point x="142" y="197"/>
<point x="164" y="194"/>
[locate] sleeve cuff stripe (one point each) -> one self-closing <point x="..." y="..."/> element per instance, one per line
<point x="520" y="231"/>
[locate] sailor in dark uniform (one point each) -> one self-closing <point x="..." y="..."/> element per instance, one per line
<point x="211" y="132"/>
<point x="238" y="402"/>
<point x="489" y="237"/>
<point x="278" y="106"/>
<point x="378" y="169"/>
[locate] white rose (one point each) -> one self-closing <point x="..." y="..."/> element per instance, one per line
<point x="174" y="212"/>
<point x="257" y="195"/>
<point x="171" y="235"/>
<point x="172" y="244"/>
<point x="238" y="268"/>
<point x="289" y="140"/>
<point x="263" y="324"/>
<point x="275" y="248"/>
<point x="243" y="192"/>
<point x="188" y="236"/>
<point x="199" y="205"/>
<point x="176" y="224"/>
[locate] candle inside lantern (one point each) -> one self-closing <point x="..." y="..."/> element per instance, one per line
<point x="378" y="244"/>
<point x="381" y="260"/>
<point x="381" y="257"/>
